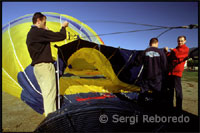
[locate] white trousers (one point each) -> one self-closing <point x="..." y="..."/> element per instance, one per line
<point x="45" y="75"/>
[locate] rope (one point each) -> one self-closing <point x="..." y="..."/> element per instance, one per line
<point x="125" y="65"/>
<point x="62" y="56"/>
<point x="99" y="46"/>
<point x="58" y="83"/>
<point x="121" y="22"/>
<point x="139" y="74"/>
<point x="125" y="32"/>
<point x="191" y="26"/>
<point x="61" y="26"/>
<point x="113" y="53"/>
<point x="164" y="32"/>
<point x="78" y="44"/>
<point x="108" y="59"/>
<point x="80" y="30"/>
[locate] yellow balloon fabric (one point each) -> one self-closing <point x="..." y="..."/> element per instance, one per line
<point x="17" y="73"/>
<point x="103" y="66"/>
<point x="15" y="53"/>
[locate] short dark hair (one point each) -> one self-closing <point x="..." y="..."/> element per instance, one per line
<point x="153" y="40"/>
<point x="182" y="36"/>
<point x="38" y="15"/>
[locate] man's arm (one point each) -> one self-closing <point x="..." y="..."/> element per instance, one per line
<point x="50" y="36"/>
<point x="164" y="60"/>
<point x="166" y="51"/>
<point x="182" y="53"/>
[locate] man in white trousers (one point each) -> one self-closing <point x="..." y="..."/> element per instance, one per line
<point x="38" y="43"/>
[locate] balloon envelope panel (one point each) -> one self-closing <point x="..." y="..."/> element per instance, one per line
<point x="17" y="73"/>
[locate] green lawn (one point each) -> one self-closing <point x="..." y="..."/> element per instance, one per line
<point x="190" y="76"/>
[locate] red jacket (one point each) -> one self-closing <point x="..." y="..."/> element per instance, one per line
<point x="176" y="60"/>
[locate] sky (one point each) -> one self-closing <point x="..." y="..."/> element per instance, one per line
<point x="94" y="14"/>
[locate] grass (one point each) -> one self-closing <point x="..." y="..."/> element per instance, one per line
<point x="190" y="76"/>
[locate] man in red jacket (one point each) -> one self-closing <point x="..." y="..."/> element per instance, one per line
<point x="176" y="61"/>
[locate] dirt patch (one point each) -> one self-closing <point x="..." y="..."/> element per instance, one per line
<point x="18" y="116"/>
<point x="190" y="96"/>
<point x="190" y="85"/>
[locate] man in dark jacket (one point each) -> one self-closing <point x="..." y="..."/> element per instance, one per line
<point x="38" y="43"/>
<point x="176" y="59"/>
<point x="154" y="69"/>
<point x="153" y="62"/>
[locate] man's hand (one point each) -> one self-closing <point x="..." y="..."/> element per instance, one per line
<point x="46" y="28"/>
<point x="166" y="49"/>
<point x="65" y="24"/>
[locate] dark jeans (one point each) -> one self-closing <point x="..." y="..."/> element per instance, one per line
<point x="153" y="85"/>
<point x="175" y="82"/>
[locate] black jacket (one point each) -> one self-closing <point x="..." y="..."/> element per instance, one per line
<point x="38" y="43"/>
<point x="155" y="63"/>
